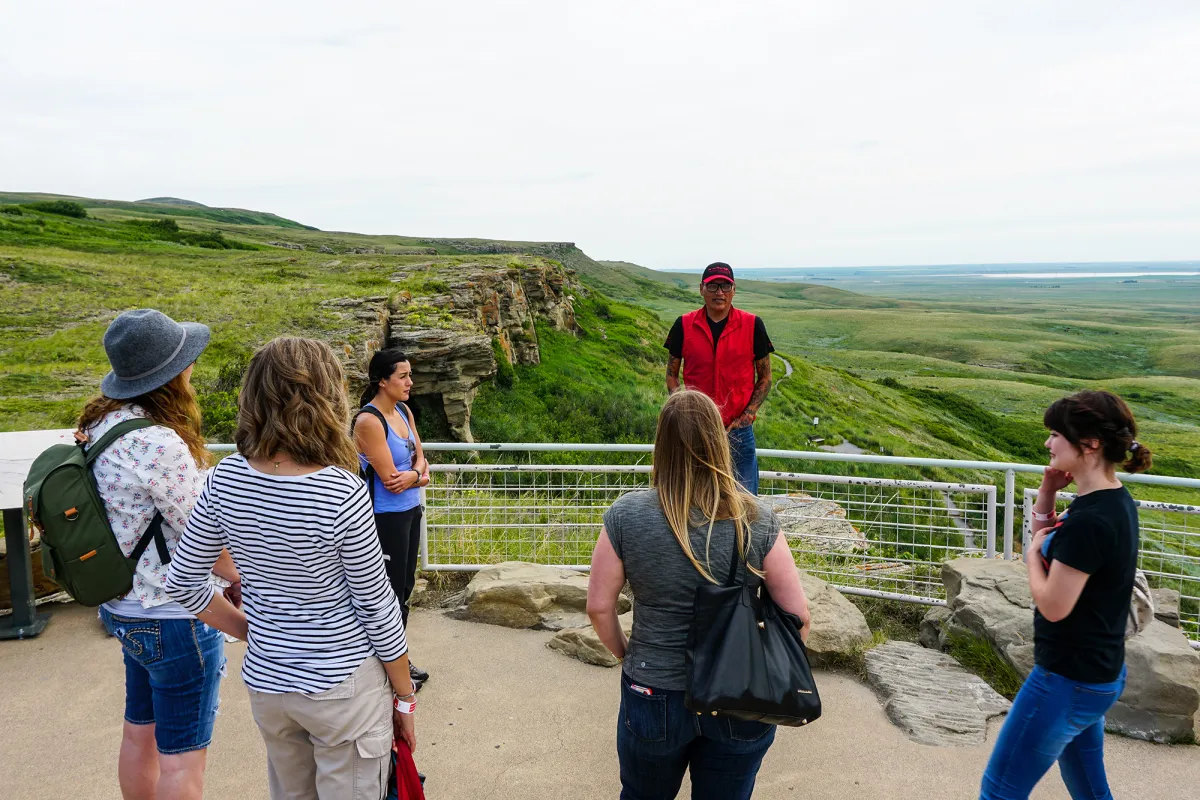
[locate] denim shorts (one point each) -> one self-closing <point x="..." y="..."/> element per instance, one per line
<point x="173" y="670"/>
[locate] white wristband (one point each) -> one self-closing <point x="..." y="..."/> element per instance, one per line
<point x="1043" y="517"/>
<point x="405" y="708"/>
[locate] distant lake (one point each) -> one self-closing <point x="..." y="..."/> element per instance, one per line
<point x="1057" y="275"/>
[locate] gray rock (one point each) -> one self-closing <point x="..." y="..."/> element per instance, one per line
<point x="1162" y="691"/>
<point x="520" y="595"/>
<point x="1166" y="606"/>
<point x="838" y="627"/>
<point x="287" y="245"/>
<point x="821" y="524"/>
<point x="583" y="643"/>
<point x="930" y="634"/>
<point x="991" y="599"/>
<point x="420" y="593"/>
<point x="930" y="697"/>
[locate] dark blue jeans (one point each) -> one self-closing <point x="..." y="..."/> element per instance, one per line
<point x="745" y="457"/>
<point x="1053" y="719"/>
<point x="658" y="739"/>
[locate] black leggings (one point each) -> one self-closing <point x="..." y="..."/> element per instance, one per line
<point x="400" y="538"/>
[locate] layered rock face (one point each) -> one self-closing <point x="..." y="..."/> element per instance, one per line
<point x="991" y="599"/>
<point x="448" y="335"/>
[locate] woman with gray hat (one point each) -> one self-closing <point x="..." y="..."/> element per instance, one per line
<point x="152" y="476"/>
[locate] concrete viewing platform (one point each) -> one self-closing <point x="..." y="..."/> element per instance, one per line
<point x="503" y="717"/>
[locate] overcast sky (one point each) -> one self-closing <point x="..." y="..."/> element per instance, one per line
<point x="670" y="134"/>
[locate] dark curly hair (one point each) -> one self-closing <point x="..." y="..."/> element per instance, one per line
<point x="1104" y="417"/>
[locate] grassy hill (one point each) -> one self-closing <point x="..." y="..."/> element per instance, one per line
<point x="951" y="378"/>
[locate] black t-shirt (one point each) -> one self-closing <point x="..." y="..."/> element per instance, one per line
<point x="762" y="342"/>
<point x="1099" y="537"/>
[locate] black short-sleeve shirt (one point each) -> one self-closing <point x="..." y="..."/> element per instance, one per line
<point x="762" y="342"/>
<point x="1100" y="537"/>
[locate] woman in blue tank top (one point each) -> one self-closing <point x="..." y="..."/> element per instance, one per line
<point x="393" y="463"/>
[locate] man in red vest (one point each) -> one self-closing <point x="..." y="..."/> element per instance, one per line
<point x="726" y="354"/>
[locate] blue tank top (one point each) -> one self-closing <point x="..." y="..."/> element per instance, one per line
<point x="403" y="451"/>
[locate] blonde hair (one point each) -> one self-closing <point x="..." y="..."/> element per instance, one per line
<point x="693" y="475"/>
<point x="294" y="399"/>
<point x="172" y="405"/>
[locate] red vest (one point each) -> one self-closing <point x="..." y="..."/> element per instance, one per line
<point x="726" y="374"/>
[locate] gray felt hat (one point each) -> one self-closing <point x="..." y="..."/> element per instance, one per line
<point x="146" y="349"/>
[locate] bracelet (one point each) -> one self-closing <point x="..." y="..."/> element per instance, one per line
<point x="405" y="707"/>
<point x="1040" y="517"/>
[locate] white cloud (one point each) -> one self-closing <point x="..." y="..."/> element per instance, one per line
<point x="671" y="134"/>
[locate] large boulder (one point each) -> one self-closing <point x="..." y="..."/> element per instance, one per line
<point x="520" y="595"/>
<point x="991" y="599"/>
<point x="838" y="627"/>
<point x="1162" y="691"/>
<point x="585" y="645"/>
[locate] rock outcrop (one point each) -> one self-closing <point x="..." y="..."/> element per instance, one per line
<point x="520" y="595"/>
<point x="930" y="697"/>
<point x="585" y="645"/>
<point x="838" y="627"/>
<point x="821" y="524"/>
<point x="991" y="599"/>
<point x="448" y="335"/>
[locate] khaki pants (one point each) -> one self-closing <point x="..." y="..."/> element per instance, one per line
<point x="332" y="745"/>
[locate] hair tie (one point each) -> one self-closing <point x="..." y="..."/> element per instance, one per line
<point x="1133" y="447"/>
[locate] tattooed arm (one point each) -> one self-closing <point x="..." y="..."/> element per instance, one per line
<point x="762" y="385"/>
<point x="673" y="365"/>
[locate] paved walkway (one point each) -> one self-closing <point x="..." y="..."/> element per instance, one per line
<point x="503" y="718"/>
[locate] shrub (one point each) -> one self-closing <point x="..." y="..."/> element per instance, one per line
<point x="65" y="208"/>
<point x="14" y="210"/>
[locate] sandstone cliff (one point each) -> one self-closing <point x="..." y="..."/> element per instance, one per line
<point x="447" y="330"/>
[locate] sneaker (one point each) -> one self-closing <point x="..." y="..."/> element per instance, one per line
<point x="416" y="673"/>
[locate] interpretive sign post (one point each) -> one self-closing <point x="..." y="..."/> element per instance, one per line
<point x="17" y="452"/>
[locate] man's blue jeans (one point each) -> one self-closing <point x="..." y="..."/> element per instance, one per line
<point x="1053" y="719"/>
<point x="745" y="458"/>
<point x="658" y="739"/>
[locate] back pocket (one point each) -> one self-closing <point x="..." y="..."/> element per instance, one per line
<point x="645" y="716"/>
<point x="142" y="641"/>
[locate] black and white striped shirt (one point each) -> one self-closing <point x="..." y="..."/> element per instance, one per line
<point x="314" y="586"/>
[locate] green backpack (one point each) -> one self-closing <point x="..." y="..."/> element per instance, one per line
<point x="79" y="550"/>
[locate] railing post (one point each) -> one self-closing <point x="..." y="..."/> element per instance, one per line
<point x="1027" y="524"/>
<point x="991" y="522"/>
<point x="1010" y="489"/>
<point x="424" y="531"/>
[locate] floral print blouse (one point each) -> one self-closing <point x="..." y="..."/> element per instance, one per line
<point x="145" y="470"/>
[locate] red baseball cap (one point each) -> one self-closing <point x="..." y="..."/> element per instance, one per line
<point x="717" y="271"/>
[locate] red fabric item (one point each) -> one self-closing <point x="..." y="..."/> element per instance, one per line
<point x="408" y="784"/>
<point x="726" y="374"/>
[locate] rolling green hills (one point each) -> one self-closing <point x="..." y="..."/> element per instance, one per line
<point x="941" y="377"/>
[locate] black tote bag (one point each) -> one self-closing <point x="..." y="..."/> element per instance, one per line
<point x="744" y="655"/>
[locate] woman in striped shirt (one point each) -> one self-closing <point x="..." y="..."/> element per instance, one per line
<point x="322" y="622"/>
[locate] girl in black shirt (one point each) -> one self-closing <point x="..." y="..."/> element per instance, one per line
<point x="1081" y="567"/>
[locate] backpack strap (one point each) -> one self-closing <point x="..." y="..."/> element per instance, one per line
<point x="368" y="472"/>
<point x="111" y="435"/>
<point x="154" y="530"/>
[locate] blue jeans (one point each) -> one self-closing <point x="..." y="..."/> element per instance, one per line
<point x="1053" y="719"/>
<point x="745" y="457"/>
<point x="173" y="670"/>
<point x="658" y="739"/>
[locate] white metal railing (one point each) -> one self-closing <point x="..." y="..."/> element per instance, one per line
<point x="1169" y="551"/>
<point x="481" y="513"/>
